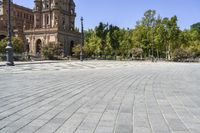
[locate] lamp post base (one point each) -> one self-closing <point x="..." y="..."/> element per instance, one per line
<point x="10" y="64"/>
<point x="9" y="55"/>
<point x="81" y="57"/>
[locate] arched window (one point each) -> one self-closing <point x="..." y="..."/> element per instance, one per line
<point x="47" y="19"/>
<point x="38" y="46"/>
<point x="71" y="48"/>
<point x="45" y="4"/>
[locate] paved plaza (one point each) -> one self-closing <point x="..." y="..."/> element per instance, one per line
<point x="100" y="97"/>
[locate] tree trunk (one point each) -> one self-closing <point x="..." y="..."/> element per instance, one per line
<point x="166" y="53"/>
<point x="169" y="52"/>
<point x="158" y="56"/>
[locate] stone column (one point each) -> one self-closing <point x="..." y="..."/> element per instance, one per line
<point x="43" y="22"/>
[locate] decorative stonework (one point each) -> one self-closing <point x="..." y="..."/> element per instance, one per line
<point x="50" y="21"/>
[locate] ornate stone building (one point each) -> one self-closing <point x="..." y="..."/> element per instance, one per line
<point x="21" y="17"/>
<point x="51" y="21"/>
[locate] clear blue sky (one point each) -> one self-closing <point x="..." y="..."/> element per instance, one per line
<point x="125" y="13"/>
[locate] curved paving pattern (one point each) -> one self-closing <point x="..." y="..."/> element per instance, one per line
<point x="100" y="97"/>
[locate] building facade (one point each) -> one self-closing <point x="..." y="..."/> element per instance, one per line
<point x="21" y="17"/>
<point x="50" y="21"/>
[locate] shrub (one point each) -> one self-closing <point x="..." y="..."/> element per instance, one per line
<point x="77" y="50"/>
<point x="51" y="51"/>
<point x="194" y="51"/>
<point x="3" y="44"/>
<point x="180" y="54"/>
<point x="17" y="44"/>
<point x="137" y="52"/>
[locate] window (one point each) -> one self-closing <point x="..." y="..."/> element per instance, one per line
<point x="47" y="20"/>
<point x="45" y="4"/>
<point x="72" y="11"/>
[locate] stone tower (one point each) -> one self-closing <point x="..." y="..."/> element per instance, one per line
<point x="37" y="13"/>
<point x="54" y="22"/>
<point x="54" y="13"/>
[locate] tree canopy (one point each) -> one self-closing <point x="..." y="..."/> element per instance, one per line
<point x="18" y="46"/>
<point x="153" y="36"/>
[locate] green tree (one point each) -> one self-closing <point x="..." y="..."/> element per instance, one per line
<point x="125" y="43"/>
<point x="92" y="43"/>
<point x="152" y="35"/>
<point x="196" y="27"/>
<point x="173" y="32"/>
<point x="101" y="31"/>
<point x="17" y="43"/>
<point x="149" y="18"/>
<point x="113" y="37"/>
<point x="160" y="38"/>
<point x="140" y="39"/>
<point x="145" y="30"/>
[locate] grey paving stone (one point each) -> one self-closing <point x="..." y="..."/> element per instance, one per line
<point x="100" y="97"/>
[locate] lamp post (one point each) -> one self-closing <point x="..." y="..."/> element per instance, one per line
<point x="9" y="49"/>
<point x="82" y="40"/>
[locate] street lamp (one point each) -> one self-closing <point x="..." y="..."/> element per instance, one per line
<point x="9" y="49"/>
<point x="82" y="40"/>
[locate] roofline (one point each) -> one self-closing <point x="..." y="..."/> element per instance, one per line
<point x="23" y="7"/>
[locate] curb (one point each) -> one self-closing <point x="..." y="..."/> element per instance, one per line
<point x="27" y="63"/>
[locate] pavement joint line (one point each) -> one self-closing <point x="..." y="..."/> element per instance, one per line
<point x="187" y="112"/>
<point x="93" y="81"/>
<point x="99" y="119"/>
<point x="36" y="98"/>
<point x="134" y="80"/>
<point x="114" y="128"/>
<point x="153" y="82"/>
<point x="74" y="90"/>
<point x="63" y="110"/>
<point x="134" y="104"/>
<point x="149" y="122"/>
<point x="73" y="84"/>
<point x="174" y="112"/>
<point x="55" y="85"/>
<point x="76" y="111"/>
<point x="164" y="97"/>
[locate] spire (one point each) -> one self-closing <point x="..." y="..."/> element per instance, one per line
<point x="38" y="5"/>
